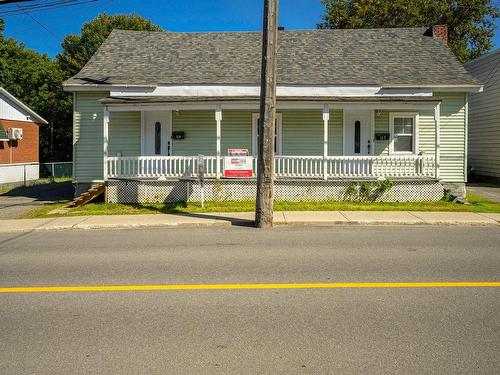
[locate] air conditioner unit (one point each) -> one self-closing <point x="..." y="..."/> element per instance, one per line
<point x="15" y="134"/>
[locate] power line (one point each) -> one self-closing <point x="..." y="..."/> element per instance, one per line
<point x="12" y="1"/>
<point x="39" y="23"/>
<point x="11" y="7"/>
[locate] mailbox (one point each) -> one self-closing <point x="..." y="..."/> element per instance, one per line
<point x="178" y="135"/>
<point x="382" y="136"/>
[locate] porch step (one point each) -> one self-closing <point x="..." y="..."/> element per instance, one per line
<point x="84" y="198"/>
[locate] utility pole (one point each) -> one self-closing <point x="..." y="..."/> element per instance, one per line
<point x="265" y="162"/>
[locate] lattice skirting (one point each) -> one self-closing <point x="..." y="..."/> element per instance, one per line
<point x="122" y="191"/>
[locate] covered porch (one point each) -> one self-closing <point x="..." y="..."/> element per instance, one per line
<point x="157" y="138"/>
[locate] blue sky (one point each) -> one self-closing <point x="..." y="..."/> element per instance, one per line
<point x="173" y="15"/>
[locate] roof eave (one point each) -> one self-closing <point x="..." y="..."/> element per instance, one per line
<point x="470" y="88"/>
<point x="72" y="87"/>
<point x="32" y="114"/>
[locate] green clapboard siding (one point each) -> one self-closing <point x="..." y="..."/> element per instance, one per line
<point x="124" y="133"/>
<point x="336" y="133"/>
<point x="236" y="130"/>
<point x="381" y="126"/>
<point x="426" y="131"/>
<point x="88" y="136"/>
<point x="302" y="132"/>
<point x="199" y="127"/>
<point x="452" y="137"/>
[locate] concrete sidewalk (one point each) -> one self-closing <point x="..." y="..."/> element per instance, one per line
<point x="246" y="219"/>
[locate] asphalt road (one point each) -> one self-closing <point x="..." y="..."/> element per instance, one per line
<point x="319" y="331"/>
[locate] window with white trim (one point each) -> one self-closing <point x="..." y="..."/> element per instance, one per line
<point x="403" y="133"/>
<point x="255" y="134"/>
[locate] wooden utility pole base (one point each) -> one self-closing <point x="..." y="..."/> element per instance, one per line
<point x="265" y="162"/>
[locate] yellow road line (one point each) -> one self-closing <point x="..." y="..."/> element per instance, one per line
<point x="130" y="288"/>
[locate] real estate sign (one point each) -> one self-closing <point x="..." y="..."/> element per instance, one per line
<point x="238" y="164"/>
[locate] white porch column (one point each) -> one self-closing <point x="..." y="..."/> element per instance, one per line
<point x="437" y="121"/>
<point x="218" y="119"/>
<point x="105" y="124"/>
<point x="326" y="118"/>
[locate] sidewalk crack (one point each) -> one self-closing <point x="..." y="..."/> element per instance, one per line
<point x="415" y="216"/>
<point x="341" y="213"/>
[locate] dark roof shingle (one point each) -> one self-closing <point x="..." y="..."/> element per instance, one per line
<point x="403" y="56"/>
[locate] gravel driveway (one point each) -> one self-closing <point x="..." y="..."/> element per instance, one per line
<point x="488" y="191"/>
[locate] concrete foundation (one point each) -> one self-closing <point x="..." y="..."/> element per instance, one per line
<point x="456" y="189"/>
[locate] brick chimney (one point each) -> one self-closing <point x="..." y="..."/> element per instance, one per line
<point x="440" y="31"/>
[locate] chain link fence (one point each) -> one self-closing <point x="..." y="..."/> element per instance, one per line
<point x="56" y="170"/>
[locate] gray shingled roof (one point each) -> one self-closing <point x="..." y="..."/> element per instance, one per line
<point x="383" y="57"/>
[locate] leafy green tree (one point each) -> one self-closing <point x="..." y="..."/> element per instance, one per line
<point x="78" y="49"/>
<point x="36" y="80"/>
<point x="470" y="22"/>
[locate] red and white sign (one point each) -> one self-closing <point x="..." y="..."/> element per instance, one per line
<point x="237" y="151"/>
<point x="238" y="166"/>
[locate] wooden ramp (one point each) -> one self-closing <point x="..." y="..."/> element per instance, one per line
<point x="88" y="196"/>
<point x="84" y="198"/>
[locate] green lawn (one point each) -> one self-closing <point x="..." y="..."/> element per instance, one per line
<point x="477" y="204"/>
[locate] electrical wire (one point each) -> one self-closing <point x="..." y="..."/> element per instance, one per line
<point x="11" y="7"/>
<point x="39" y="23"/>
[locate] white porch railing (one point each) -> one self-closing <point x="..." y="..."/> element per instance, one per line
<point x="410" y="166"/>
<point x="158" y="166"/>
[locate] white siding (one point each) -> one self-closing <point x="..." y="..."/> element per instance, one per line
<point x="10" y="111"/>
<point x="484" y="116"/>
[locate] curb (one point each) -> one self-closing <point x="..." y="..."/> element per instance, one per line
<point x="82" y="225"/>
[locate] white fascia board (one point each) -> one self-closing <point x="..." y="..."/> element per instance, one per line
<point x="281" y="91"/>
<point x="442" y="88"/>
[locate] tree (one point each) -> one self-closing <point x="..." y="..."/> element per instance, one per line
<point x="37" y="81"/>
<point x="470" y="22"/>
<point x="78" y="49"/>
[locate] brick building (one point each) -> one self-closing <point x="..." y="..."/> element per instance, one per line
<point x="18" y="140"/>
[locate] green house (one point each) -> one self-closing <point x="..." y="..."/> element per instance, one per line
<point x="153" y="111"/>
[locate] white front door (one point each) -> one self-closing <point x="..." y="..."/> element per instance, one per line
<point x="358" y="138"/>
<point x="156" y="133"/>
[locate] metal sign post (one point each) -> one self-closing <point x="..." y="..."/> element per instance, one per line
<point x="201" y="178"/>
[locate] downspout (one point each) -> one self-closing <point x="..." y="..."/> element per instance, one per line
<point x="466" y="135"/>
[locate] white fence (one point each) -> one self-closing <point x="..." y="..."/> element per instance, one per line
<point x="15" y="173"/>
<point x="410" y="166"/>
